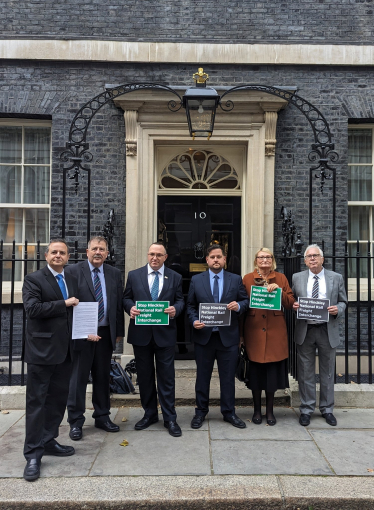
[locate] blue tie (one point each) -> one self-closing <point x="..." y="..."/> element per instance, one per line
<point x="216" y="289"/>
<point x="154" y="289"/>
<point x="315" y="289"/>
<point x="60" y="281"/>
<point x="98" y="293"/>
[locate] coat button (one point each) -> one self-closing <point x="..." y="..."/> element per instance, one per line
<point x="263" y="329"/>
<point x="264" y="316"/>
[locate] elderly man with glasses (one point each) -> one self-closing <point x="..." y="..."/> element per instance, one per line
<point x="317" y="282"/>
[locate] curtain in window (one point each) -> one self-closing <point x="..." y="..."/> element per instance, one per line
<point x="360" y="175"/>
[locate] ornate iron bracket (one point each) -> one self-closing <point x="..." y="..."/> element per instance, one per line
<point x="108" y="234"/>
<point x="292" y="244"/>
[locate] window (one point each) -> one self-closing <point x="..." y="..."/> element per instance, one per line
<point x="25" y="177"/>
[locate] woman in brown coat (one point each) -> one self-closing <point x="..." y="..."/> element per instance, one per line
<point x="265" y="336"/>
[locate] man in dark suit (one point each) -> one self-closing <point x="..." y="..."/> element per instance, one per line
<point x="319" y="283"/>
<point x="155" y="282"/>
<point x="48" y="297"/>
<point x="102" y="283"/>
<point x="220" y="343"/>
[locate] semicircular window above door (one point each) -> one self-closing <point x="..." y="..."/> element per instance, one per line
<point x="199" y="170"/>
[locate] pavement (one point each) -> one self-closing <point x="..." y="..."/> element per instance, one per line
<point x="218" y="466"/>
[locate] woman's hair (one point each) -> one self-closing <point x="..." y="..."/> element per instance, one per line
<point x="266" y="250"/>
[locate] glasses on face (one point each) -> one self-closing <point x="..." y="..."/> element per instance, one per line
<point x="265" y="257"/>
<point x="157" y="255"/>
<point x="312" y="256"/>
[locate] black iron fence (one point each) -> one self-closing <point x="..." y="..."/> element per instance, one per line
<point x="354" y="354"/>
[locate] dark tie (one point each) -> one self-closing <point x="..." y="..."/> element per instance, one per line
<point x="98" y="293"/>
<point x="216" y="289"/>
<point x="315" y="290"/>
<point x="154" y="289"/>
<point x="60" y="281"/>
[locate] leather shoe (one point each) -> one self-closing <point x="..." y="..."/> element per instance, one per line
<point x="235" y="421"/>
<point x="76" y="433"/>
<point x="304" y="419"/>
<point x="58" y="450"/>
<point x="32" y="470"/>
<point x="173" y="428"/>
<point x="145" y="422"/>
<point x="330" y="419"/>
<point x="256" y="421"/>
<point x="108" y="425"/>
<point x="197" y="421"/>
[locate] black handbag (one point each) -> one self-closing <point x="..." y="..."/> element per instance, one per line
<point x="120" y="382"/>
<point x="242" y="365"/>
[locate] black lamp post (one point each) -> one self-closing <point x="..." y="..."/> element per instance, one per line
<point x="201" y="104"/>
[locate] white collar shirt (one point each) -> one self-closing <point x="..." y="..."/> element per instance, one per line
<point x="55" y="273"/>
<point x="152" y="276"/>
<point x="321" y="288"/>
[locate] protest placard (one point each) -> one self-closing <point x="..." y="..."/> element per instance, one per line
<point x="152" y="313"/>
<point x="264" y="300"/>
<point x="313" y="309"/>
<point x="214" y="314"/>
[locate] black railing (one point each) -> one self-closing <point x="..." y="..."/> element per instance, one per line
<point x="356" y="266"/>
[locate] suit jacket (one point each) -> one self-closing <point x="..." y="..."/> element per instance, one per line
<point x="137" y="289"/>
<point x="114" y="290"/>
<point x="49" y="320"/>
<point x="200" y="292"/>
<point x="335" y="292"/>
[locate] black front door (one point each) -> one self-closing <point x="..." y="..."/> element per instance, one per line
<point x="187" y="226"/>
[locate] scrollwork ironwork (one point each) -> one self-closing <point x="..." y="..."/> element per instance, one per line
<point x="108" y="234"/>
<point x="292" y="244"/>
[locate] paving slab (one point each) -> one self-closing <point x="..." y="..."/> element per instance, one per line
<point x="287" y="427"/>
<point x="346" y="418"/>
<point x="8" y="420"/>
<point x="154" y="453"/>
<point x="267" y="457"/>
<point x="349" y="452"/>
<point x="11" y="447"/>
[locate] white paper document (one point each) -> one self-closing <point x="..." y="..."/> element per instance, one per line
<point x="85" y="319"/>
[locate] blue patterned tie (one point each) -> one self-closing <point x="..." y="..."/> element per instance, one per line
<point x="216" y="289"/>
<point x="154" y="289"/>
<point x="315" y="290"/>
<point x="60" y="281"/>
<point x="98" y="293"/>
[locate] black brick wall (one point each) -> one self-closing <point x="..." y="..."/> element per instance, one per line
<point x="322" y="21"/>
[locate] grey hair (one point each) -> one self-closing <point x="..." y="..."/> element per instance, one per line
<point x="313" y="246"/>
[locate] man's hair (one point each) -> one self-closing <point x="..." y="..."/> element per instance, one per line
<point x="313" y="246"/>
<point x="99" y="239"/>
<point x="56" y="241"/>
<point x="158" y="243"/>
<point x="215" y="247"/>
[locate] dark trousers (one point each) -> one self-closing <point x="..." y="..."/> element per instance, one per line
<point x="95" y="358"/>
<point x="227" y="358"/>
<point x="145" y="356"/>
<point x="46" y="395"/>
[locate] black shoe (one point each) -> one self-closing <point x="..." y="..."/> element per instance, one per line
<point x="197" y="421"/>
<point x="107" y="425"/>
<point x="330" y="419"/>
<point x="145" y="422"/>
<point x="76" y="433"/>
<point x="271" y="421"/>
<point x="235" y="421"/>
<point x="58" y="450"/>
<point x="173" y="428"/>
<point x="304" y="419"/>
<point x="257" y="421"/>
<point x="32" y="470"/>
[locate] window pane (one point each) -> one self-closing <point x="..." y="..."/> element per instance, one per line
<point x="359" y="146"/>
<point x="37" y="145"/>
<point x="361" y="263"/>
<point x="10" y="144"/>
<point x="37" y="225"/>
<point x="8" y="264"/>
<point x="36" y="185"/>
<point x="10" y="184"/>
<point x="358" y="223"/>
<point x="11" y="225"/>
<point x="360" y="183"/>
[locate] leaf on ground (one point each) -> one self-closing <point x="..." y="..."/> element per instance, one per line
<point x="250" y="421"/>
<point x="340" y="375"/>
<point x="124" y="443"/>
<point x="370" y="470"/>
<point x="124" y="419"/>
<point x="4" y="412"/>
<point x="352" y="382"/>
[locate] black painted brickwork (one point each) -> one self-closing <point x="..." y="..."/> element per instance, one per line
<point x="321" y="21"/>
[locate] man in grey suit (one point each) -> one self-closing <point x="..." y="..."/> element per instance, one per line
<point x="102" y="283"/>
<point x="317" y="282"/>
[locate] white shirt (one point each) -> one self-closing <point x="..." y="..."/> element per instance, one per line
<point x="152" y="276"/>
<point x="321" y="289"/>
<point x="55" y="273"/>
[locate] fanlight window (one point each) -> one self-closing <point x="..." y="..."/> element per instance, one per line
<point x="196" y="169"/>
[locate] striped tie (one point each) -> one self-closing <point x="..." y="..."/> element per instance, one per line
<point x="98" y="293"/>
<point x="154" y="289"/>
<point x="315" y="290"/>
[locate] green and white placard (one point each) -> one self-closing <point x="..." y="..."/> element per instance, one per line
<point x="152" y="313"/>
<point x="264" y="300"/>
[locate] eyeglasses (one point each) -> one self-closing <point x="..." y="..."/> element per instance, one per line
<point x="157" y="255"/>
<point x="265" y="258"/>
<point x="312" y="256"/>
